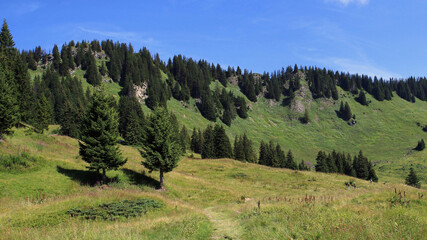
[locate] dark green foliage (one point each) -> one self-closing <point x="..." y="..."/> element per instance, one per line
<point x="196" y="144"/>
<point x="208" y="148"/>
<point x="421" y="145"/>
<point x="131" y="120"/>
<point x="248" y="149"/>
<point x="222" y="143"/>
<point x="303" y="167"/>
<point x="345" y="111"/>
<point x="321" y="164"/>
<point x="103" y="69"/>
<point x="184" y="139"/>
<point x="56" y="58"/>
<point x="99" y="136"/>
<point x="239" y="152"/>
<point x="43" y="116"/>
<point x="71" y="120"/>
<point x="24" y="92"/>
<point x="412" y="179"/>
<point x="116" y="210"/>
<point x="340" y="163"/>
<point x="207" y="106"/>
<point x="8" y="104"/>
<point x="92" y="75"/>
<point x="161" y="147"/>
<point x="290" y="162"/>
<point x="18" y="163"/>
<point x="362" y="98"/>
<point x="241" y="108"/>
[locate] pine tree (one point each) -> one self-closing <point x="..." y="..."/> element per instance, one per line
<point x="248" y="149"/>
<point x="239" y="153"/>
<point x="161" y="148"/>
<point x="347" y="112"/>
<point x="290" y="162"/>
<point x="134" y="129"/>
<point x="8" y="105"/>
<point x="222" y="144"/>
<point x="92" y="75"/>
<point x="184" y="139"/>
<point x="56" y="58"/>
<point x="99" y="137"/>
<point x="42" y="114"/>
<point x="362" y="98"/>
<point x="412" y="179"/>
<point x="208" y="147"/>
<point x="196" y="144"/>
<point x="321" y="165"/>
<point x="262" y="153"/>
<point x="371" y="173"/>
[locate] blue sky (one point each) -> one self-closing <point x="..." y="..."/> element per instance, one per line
<point x="386" y="38"/>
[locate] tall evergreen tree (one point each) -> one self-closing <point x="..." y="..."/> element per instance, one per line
<point x="196" y="141"/>
<point x="161" y="148"/>
<point x="248" y="149"/>
<point x="92" y="75"/>
<point x="43" y="117"/>
<point x="222" y="143"/>
<point x="239" y="153"/>
<point x="56" y="58"/>
<point x="290" y="162"/>
<point x="321" y="164"/>
<point x="8" y="105"/>
<point x="99" y="137"/>
<point x="208" y="148"/>
<point x="412" y="179"/>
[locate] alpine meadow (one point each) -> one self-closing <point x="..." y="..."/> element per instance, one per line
<point x="101" y="140"/>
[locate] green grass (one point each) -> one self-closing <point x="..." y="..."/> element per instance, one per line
<point x="205" y="199"/>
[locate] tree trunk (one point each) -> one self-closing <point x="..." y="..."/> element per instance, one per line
<point x="104" y="176"/>
<point x="162" y="179"/>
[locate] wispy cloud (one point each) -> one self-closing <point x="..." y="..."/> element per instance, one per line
<point x="123" y="35"/>
<point x="354" y="66"/>
<point x="24" y="8"/>
<point x="347" y="2"/>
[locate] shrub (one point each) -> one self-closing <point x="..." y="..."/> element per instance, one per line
<point x="20" y="162"/>
<point x="116" y="210"/>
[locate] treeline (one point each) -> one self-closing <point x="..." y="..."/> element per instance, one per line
<point x="342" y="163"/>
<point x="213" y="142"/>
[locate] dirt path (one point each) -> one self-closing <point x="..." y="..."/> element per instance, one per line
<point x="225" y="227"/>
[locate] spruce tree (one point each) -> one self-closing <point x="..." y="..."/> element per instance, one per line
<point x="262" y="153"/>
<point x="43" y="116"/>
<point x="222" y="144"/>
<point x="290" y="162"/>
<point x="321" y="165"/>
<point x="99" y="137"/>
<point x="347" y="112"/>
<point x="362" y="98"/>
<point x="208" y="147"/>
<point x="161" y="147"/>
<point x="248" y="149"/>
<point x="92" y="75"/>
<point x="8" y="105"/>
<point x="196" y="146"/>
<point x="184" y="139"/>
<point x="56" y="58"/>
<point x="239" y="153"/>
<point x="412" y="179"/>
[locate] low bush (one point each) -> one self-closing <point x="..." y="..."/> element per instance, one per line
<point x="116" y="210"/>
<point x="19" y="162"/>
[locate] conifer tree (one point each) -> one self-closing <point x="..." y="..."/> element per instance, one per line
<point x="239" y="153"/>
<point x="56" y="58"/>
<point x="321" y="165"/>
<point x="8" y="105"/>
<point x="196" y="142"/>
<point x="161" y="147"/>
<point x="250" y="155"/>
<point x="208" y="148"/>
<point x="290" y="162"/>
<point x="92" y="75"/>
<point x="262" y="153"/>
<point x="99" y="137"/>
<point x="412" y="179"/>
<point x="347" y="112"/>
<point x="362" y="98"/>
<point x="42" y="114"/>
<point x="184" y="139"/>
<point x="222" y="144"/>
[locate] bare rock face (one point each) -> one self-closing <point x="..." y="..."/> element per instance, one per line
<point x="140" y="92"/>
<point x="302" y="100"/>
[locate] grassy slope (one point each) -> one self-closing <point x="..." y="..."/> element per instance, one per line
<point x="205" y="199"/>
<point x="386" y="131"/>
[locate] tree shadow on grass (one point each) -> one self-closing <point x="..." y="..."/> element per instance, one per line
<point x="84" y="177"/>
<point x="140" y="178"/>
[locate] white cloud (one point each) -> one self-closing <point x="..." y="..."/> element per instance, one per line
<point x="128" y="36"/>
<point x="353" y="67"/>
<point x="347" y="2"/>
